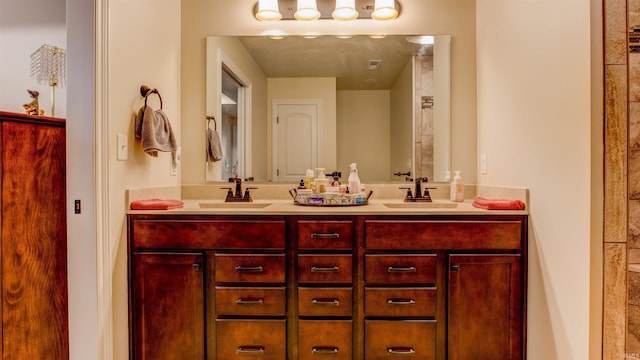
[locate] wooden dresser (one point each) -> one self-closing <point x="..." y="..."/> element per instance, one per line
<point x="33" y="238"/>
<point x="349" y="287"/>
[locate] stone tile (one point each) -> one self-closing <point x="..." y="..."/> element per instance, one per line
<point x="633" y="256"/>
<point x="633" y="333"/>
<point x="633" y="288"/>
<point x="615" y="32"/>
<point x="634" y="175"/>
<point x="614" y="301"/>
<point x="634" y="77"/>
<point x="615" y="187"/>
<point x="634" y="125"/>
<point x="634" y="224"/>
<point x="427" y="122"/>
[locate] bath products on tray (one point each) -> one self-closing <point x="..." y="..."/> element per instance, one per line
<point x="322" y="191"/>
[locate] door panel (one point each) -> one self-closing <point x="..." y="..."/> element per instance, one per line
<point x="296" y="140"/>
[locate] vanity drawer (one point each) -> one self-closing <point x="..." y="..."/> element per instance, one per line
<point x="400" y="339"/>
<point x="335" y="269"/>
<point x="400" y="302"/>
<point x="247" y="268"/>
<point x="325" y="301"/>
<point x="400" y="269"/>
<point x="325" y="235"/>
<point x="255" y="339"/>
<point x="325" y="339"/>
<point x="254" y="301"/>
<point x="443" y="235"/>
<point x="209" y="234"/>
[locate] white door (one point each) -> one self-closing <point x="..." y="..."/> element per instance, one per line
<point x="295" y="142"/>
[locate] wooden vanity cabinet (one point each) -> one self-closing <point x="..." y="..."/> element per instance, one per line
<point x="350" y="287"/>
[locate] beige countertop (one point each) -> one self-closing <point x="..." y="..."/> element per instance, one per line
<point x="287" y="207"/>
<point x="275" y="200"/>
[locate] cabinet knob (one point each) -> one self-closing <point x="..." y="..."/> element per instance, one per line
<point x="455" y="267"/>
<point x="196" y="266"/>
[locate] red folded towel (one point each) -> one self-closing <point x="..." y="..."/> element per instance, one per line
<point x="498" y="204"/>
<point x="156" y="204"/>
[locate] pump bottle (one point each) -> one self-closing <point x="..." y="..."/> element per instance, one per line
<point x="354" y="180"/>
<point x="457" y="188"/>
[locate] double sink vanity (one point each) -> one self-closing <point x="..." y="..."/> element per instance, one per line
<point x="269" y="279"/>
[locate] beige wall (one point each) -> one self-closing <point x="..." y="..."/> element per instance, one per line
<point x="401" y="123"/>
<point x="140" y="52"/>
<point x="534" y="124"/>
<point x="323" y="89"/>
<point x="230" y="51"/>
<point x="363" y="125"/>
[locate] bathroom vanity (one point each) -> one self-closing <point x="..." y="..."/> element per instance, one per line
<point x="310" y="283"/>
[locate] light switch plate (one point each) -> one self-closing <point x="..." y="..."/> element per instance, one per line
<point x="123" y="147"/>
<point x="483" y="164"/>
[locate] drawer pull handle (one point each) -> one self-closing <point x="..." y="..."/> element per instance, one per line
<point x="400" y="351"/>
<point x="401" y="269"/>
<point x="401" y="302"/>
<point x="250" y="350"/>
<point x="326" y="302"/>
<point x="250" y="301"/>
<point x="325" y="269"/>
<point x="455" y="267"/>
<point x="324" y="350"/>
<point x="249" y="269"/>
<point x="325" y="236"/>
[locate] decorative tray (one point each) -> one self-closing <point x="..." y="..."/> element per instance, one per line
<point x="305" y="198"/>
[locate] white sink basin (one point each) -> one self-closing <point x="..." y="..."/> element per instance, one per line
<point x="421" y="205"/>
<point x="234" y="205"/>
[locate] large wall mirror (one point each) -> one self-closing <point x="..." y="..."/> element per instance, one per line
<point x="328" y="101"/>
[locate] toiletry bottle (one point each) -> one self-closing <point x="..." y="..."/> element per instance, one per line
<point x="354" y="180"/>
<point x="321" y="181"/>
<point x="308" y="179"/>
<point x="457" y="188"/>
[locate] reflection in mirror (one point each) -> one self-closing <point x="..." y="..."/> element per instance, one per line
<point x="388" y="108"/>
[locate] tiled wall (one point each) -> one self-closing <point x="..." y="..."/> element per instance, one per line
<point x="424" y="116"/>
<point x="621" y="311"/>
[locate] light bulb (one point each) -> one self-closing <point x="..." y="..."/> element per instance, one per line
<point x="268" y="10"/>
<point x="307" y="10"/>
<point x="384" y="10"/>
<point x="345" y="10"/>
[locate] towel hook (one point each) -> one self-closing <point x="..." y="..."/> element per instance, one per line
<point x="215" y="123"/>
<point x="145" y="91"/>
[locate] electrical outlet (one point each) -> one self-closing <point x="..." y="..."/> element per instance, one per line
<point x="483" y="164"/>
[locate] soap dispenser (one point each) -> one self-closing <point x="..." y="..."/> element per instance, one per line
<point x="457" y="188"/>
<point x="354" y="180"/>
<point x="321" y="181"/>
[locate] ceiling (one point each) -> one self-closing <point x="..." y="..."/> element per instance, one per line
<point x="329" y="56"/>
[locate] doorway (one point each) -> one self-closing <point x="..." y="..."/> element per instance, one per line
<point x="296" y="138"/>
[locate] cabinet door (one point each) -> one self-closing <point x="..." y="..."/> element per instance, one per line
<point x="168" y="303"/>
<point x="485" y="307"/>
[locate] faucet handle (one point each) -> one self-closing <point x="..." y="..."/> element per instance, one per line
<point x="409" y="195"/>
<point x="246" y="193"/>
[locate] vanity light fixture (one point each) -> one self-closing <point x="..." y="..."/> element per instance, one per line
<point x="268" y="10"/>
<point x="307" y="10"/>
<point x="342" y="10"/>
<point x="384" y="10"/>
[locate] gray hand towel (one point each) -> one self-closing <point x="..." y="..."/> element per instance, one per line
<point x="214" y="148"/>
<point x="154" y="130"/>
